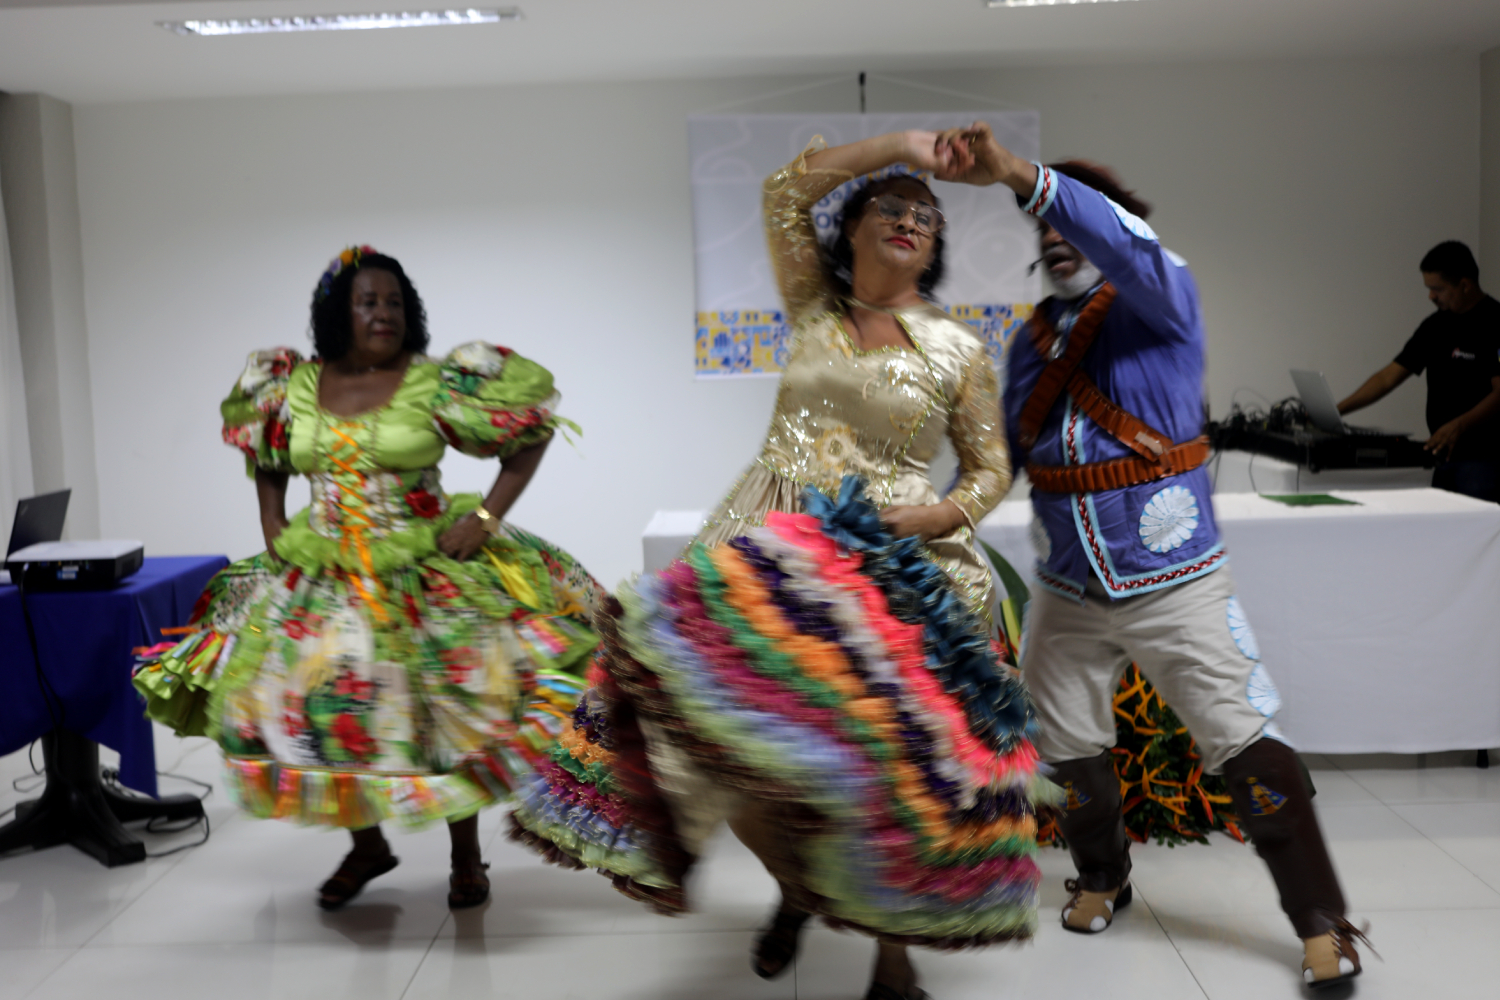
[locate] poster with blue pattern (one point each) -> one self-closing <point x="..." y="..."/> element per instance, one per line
<point x="740" y="330"/>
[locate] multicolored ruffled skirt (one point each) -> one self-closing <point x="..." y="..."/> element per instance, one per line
<point x="409" y="687"/>
<point x="828" y="676"/>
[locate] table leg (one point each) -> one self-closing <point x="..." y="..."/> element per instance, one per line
<point x="76" y="809"/>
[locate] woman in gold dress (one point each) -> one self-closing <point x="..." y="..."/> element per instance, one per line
<point x="821" y="667"/>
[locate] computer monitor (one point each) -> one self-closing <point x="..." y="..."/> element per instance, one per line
<point x="1318" y="400"/>
<point x="38" y="519"/>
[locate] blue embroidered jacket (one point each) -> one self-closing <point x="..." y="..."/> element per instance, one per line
<point x="1148" y="358"/>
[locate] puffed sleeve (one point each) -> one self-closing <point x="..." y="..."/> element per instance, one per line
<point x="787" y="200"/>
<point x="257" y="419"/>
<point x="977" y="430"/>
<point x="493" y="402"/>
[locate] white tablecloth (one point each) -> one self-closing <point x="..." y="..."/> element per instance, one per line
<point x="1374" y="620"/>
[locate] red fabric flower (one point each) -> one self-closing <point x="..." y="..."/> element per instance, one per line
<point x="439" y="586"/>
<point x="352" y="736"/>
<point x="423" y="504"/>
<point x="294" y="629"/>
<point x="460" y="662"/>
<point x="238" y="436"/>
<point x="293" y="715"/>
<point x="353" y="686"/>
<point x="449" y="434"/>
<point x="276" y="435"/>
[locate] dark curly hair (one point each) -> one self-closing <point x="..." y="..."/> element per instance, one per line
<point x="331" y="324"/>
<point x="1102" y="179"/>
<point x="838" y="259"/>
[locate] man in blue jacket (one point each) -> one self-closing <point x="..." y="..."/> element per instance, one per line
<point x="1104" y="405"/>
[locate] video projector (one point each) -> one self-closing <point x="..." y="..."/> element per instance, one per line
<point x="75" y="565"/>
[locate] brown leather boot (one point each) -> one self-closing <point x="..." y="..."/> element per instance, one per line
<point x="1095" y="829"/>
<point x="1275" y="809"/>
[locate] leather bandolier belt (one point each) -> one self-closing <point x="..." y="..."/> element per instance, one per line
<point x="1156" y="455"/>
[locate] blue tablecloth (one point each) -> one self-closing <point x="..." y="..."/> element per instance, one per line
<point x="85" y="639"/>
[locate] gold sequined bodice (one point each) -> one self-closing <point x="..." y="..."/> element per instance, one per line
<point x="883" y="414"/>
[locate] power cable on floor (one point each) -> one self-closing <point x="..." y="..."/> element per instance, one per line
<point x="111" y="778"/>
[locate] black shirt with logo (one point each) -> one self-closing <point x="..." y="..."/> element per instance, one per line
<point x="1461" y="354"/>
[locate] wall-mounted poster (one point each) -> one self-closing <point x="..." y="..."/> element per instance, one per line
<point x="741" y="330"/>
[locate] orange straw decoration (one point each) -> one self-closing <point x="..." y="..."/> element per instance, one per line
<point x="355" y="525"/>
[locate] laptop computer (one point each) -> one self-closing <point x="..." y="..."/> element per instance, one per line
<point x="38" y="519"/>
<point x="1318" y="400"/>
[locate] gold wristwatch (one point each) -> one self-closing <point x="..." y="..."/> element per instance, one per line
<point x="488" y="521"/>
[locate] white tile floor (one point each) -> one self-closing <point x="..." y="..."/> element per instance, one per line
<point x="1416" y="840"/>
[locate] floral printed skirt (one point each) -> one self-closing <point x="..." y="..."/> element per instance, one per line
<point x="423" y="692"/>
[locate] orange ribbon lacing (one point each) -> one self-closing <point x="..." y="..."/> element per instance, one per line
<point x="357" y="522"/>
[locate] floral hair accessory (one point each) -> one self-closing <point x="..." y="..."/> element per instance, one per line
<point x="350" y="257"/>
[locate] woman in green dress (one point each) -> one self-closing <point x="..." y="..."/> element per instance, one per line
<point x="396" y="652"/>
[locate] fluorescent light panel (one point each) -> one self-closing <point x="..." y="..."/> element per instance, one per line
<point x="1041" y="3"/>
<point x="345" y="22"/>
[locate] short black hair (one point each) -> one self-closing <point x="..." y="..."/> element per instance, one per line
<point x="1106" y="182"/>
<point x="331" y="326"/>
<point x="1453" y="261"/>
<point x="838" y="258"/>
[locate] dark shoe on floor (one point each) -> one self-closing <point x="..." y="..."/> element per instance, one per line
<point x="468" y="886"/>
<point x="353" y="874"/>
<point x="776" y="945"/>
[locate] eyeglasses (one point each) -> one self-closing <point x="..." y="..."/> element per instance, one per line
<point x="893" y="208"/>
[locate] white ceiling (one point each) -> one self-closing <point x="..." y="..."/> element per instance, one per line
<point x="112" y="51"/>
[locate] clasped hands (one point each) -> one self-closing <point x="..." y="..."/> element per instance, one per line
<point x="969" y="154"/>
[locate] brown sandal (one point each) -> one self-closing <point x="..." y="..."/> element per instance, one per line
<point x="353" y="874"/>
<point x="468" y="886"/>
<point x="776" y="946"/>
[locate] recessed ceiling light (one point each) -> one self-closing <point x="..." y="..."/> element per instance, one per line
<point x="1041" y="3"/>
<point x="344" y="22"/>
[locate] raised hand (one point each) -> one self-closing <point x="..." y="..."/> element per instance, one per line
<point x="974" y="155"/>
<point x="917" y="148"/>
<point x="924" y="150"/>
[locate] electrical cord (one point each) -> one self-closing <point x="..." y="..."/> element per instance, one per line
<point x="35" y="771"/>
<point x="49" y="693"/>
<point x="111" y="777"/>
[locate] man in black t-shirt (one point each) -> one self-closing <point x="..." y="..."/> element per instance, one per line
<point x="1459" y="348"/>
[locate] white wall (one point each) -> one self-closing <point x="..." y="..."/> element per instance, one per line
<point x="1489" y="158"/>
<point x="45" y="241"/>
<point x="555" y="219"/>
<point x="15" y="438"/>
